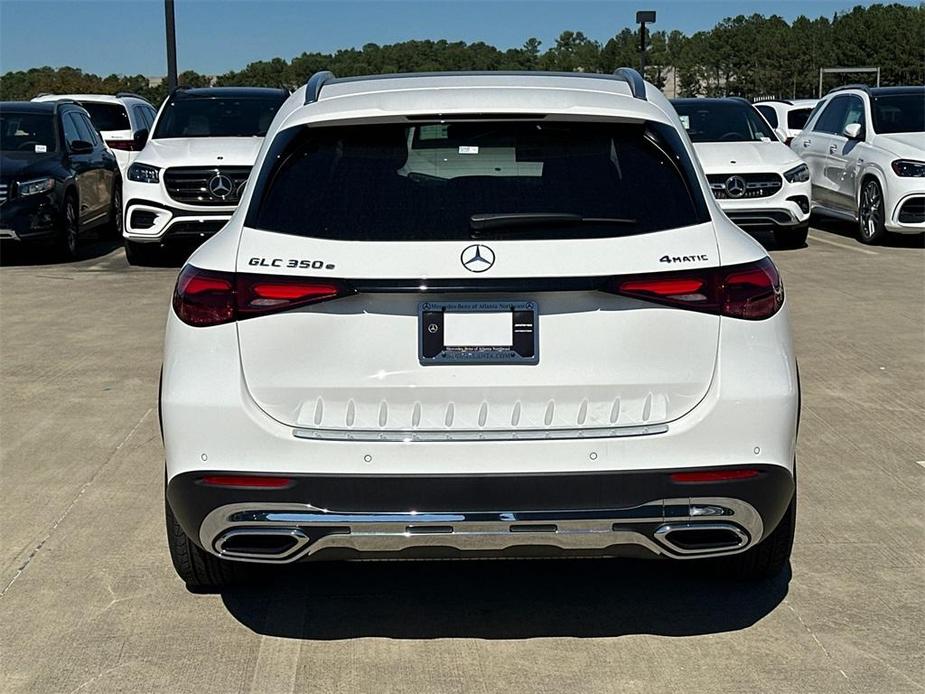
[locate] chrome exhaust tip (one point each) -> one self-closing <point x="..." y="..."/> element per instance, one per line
<point x="702" y="538"/>
<point x="260" y="543"/>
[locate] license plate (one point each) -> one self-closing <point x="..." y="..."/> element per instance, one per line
<point x="478" y="332"/>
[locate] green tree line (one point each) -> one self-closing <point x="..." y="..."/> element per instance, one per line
<point x="745" y="55"/>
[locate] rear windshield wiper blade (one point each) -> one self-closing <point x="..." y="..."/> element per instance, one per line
<point x="506" y="220"/>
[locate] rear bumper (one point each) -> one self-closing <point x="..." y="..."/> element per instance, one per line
<point x="636" y="512"/>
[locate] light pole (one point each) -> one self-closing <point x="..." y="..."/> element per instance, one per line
<point x="171" y="45"/>
<point x="642" y="18"/>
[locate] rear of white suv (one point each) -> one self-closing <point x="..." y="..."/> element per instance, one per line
<point x="478" y="315"/>
<point x="189" y="178"/>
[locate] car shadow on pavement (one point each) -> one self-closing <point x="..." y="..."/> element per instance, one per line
<point x="15" y="254"/>
<point x="500" y="600"/>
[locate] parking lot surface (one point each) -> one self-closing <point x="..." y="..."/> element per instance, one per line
<point x="89" y="601"/>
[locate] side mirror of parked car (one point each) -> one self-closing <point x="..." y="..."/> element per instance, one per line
<point x="141" y="137"/>
<point x="81" y="147"/>
<point x="852" y="131"/>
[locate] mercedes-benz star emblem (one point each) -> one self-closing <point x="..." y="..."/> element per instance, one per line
<point x="477" y="258"/>
<point x="220" y="185"/>
<point x="735" y="186"/>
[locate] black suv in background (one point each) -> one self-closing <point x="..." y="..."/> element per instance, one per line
<point x="57" y="176"/>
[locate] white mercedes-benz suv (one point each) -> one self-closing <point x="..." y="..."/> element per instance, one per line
<point x="865" y="149"/>
<point x="759" y="182"/>
<point x="188" y="179"/>
<point x="478" y="315"/>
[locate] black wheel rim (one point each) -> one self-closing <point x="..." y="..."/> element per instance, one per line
<point x="871" y="216"/>
<point x="117" y="210"/>
<point x="71" y="229"/>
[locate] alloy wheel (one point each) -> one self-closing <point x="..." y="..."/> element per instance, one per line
<point x="871" y="210"/>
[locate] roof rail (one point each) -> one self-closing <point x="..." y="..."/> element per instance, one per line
<point x="766" y="99"/>
<point x="43" y="94"/>
<point x="634" y="80"/>
<point x="314" y="85"/>
<point x="133" y="95"/>
<point x="862" y="87"/>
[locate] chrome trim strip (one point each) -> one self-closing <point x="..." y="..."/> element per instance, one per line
<point x="474" y="531"/>
<point x="477" y="435"/>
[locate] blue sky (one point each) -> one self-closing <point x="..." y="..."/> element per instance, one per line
<point x="213" y="36"/>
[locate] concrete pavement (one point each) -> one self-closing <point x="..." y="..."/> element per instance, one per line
<point x="90" y="603"/>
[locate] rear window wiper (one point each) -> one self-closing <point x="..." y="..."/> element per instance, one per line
<point x="507" y="220"/>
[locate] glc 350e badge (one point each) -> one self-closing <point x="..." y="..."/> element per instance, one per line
<point x="477" y="258"/>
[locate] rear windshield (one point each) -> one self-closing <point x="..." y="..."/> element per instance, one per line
<point x="464" y="180"/>
<point x="107" y="116"/>
<point x="27" y="132"/>
<point x="217" y="117"/>
<point x="722" y="121"/>
<point x="899" y="113"/>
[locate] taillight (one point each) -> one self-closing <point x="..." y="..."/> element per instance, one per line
<point x="127" y="145"/>
<point x="698" y="476"/>
<point x="246" y="481"/>
<point x="207" y="297"/>
<point x="752" y="291"/>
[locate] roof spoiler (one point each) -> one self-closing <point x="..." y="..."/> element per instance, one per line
<point x="636" y="84"/>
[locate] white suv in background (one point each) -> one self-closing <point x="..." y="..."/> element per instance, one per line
<point x="786" y="117"/>
<point x="759" y="183"/>
<point x="124" y="121"/>
<point x="188" y="179"/>
<point x="478" y="315"/>
<point x="866" y="151"/>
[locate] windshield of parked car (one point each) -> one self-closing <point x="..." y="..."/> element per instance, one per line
<point x="217" y="117"/>
<point x="899" y="113"/>
<point x="722" y="121"/>
<point x="107" y="116"/>
<point x="27" y="132"/>
<point x="444" y="181"/>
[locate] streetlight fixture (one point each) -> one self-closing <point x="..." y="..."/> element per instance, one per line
<point x="643" y="17"/>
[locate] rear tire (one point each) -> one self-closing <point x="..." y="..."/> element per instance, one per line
<point x="142" y="253"/>
<point x="790" y="238"/>
<point x="766" y="559"/>
<point x="199" y="570"/>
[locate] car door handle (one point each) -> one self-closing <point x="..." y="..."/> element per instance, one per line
<point x="832" y="149"/>
<point x="807" y="143"/>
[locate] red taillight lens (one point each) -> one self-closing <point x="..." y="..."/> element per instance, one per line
<point x="752" y="291"/>
<point x="204" y="297"/>
<point x="207" y="297"/>
<point x="126" y="145"/>
<point x="712" y="476"/>
<point x="249" y="481"/>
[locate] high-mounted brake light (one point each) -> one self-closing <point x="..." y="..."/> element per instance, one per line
<point x="752" y="291"/>
<point x="207" y="297"/>
<point x="124" y="145"/>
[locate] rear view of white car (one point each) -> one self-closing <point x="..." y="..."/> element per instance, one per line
<point x="758" y="181"/>
<point x="866" y="151"/>
<point x="124" y="121"/>
<point x="478" y="315"/>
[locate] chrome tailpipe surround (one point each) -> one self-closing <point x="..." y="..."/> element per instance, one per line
<point x="679" y="528"/>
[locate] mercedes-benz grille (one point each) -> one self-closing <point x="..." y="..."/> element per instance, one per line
<point x="744" y="186"/>
<point x="215" y="186"/>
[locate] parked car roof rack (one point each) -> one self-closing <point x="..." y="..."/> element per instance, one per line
<point x="862" y="87"/>
<point x="317" y="81"/>
<point x="766" y="99"/>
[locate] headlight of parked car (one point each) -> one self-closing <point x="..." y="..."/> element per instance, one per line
<point x="909" y="167"/>
<point x="38" y="185"/>
<point x="143" y="173"/>
<point x="798" y="174"/>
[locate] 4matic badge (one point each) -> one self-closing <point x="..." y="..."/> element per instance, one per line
<point x="682" y="258"/>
